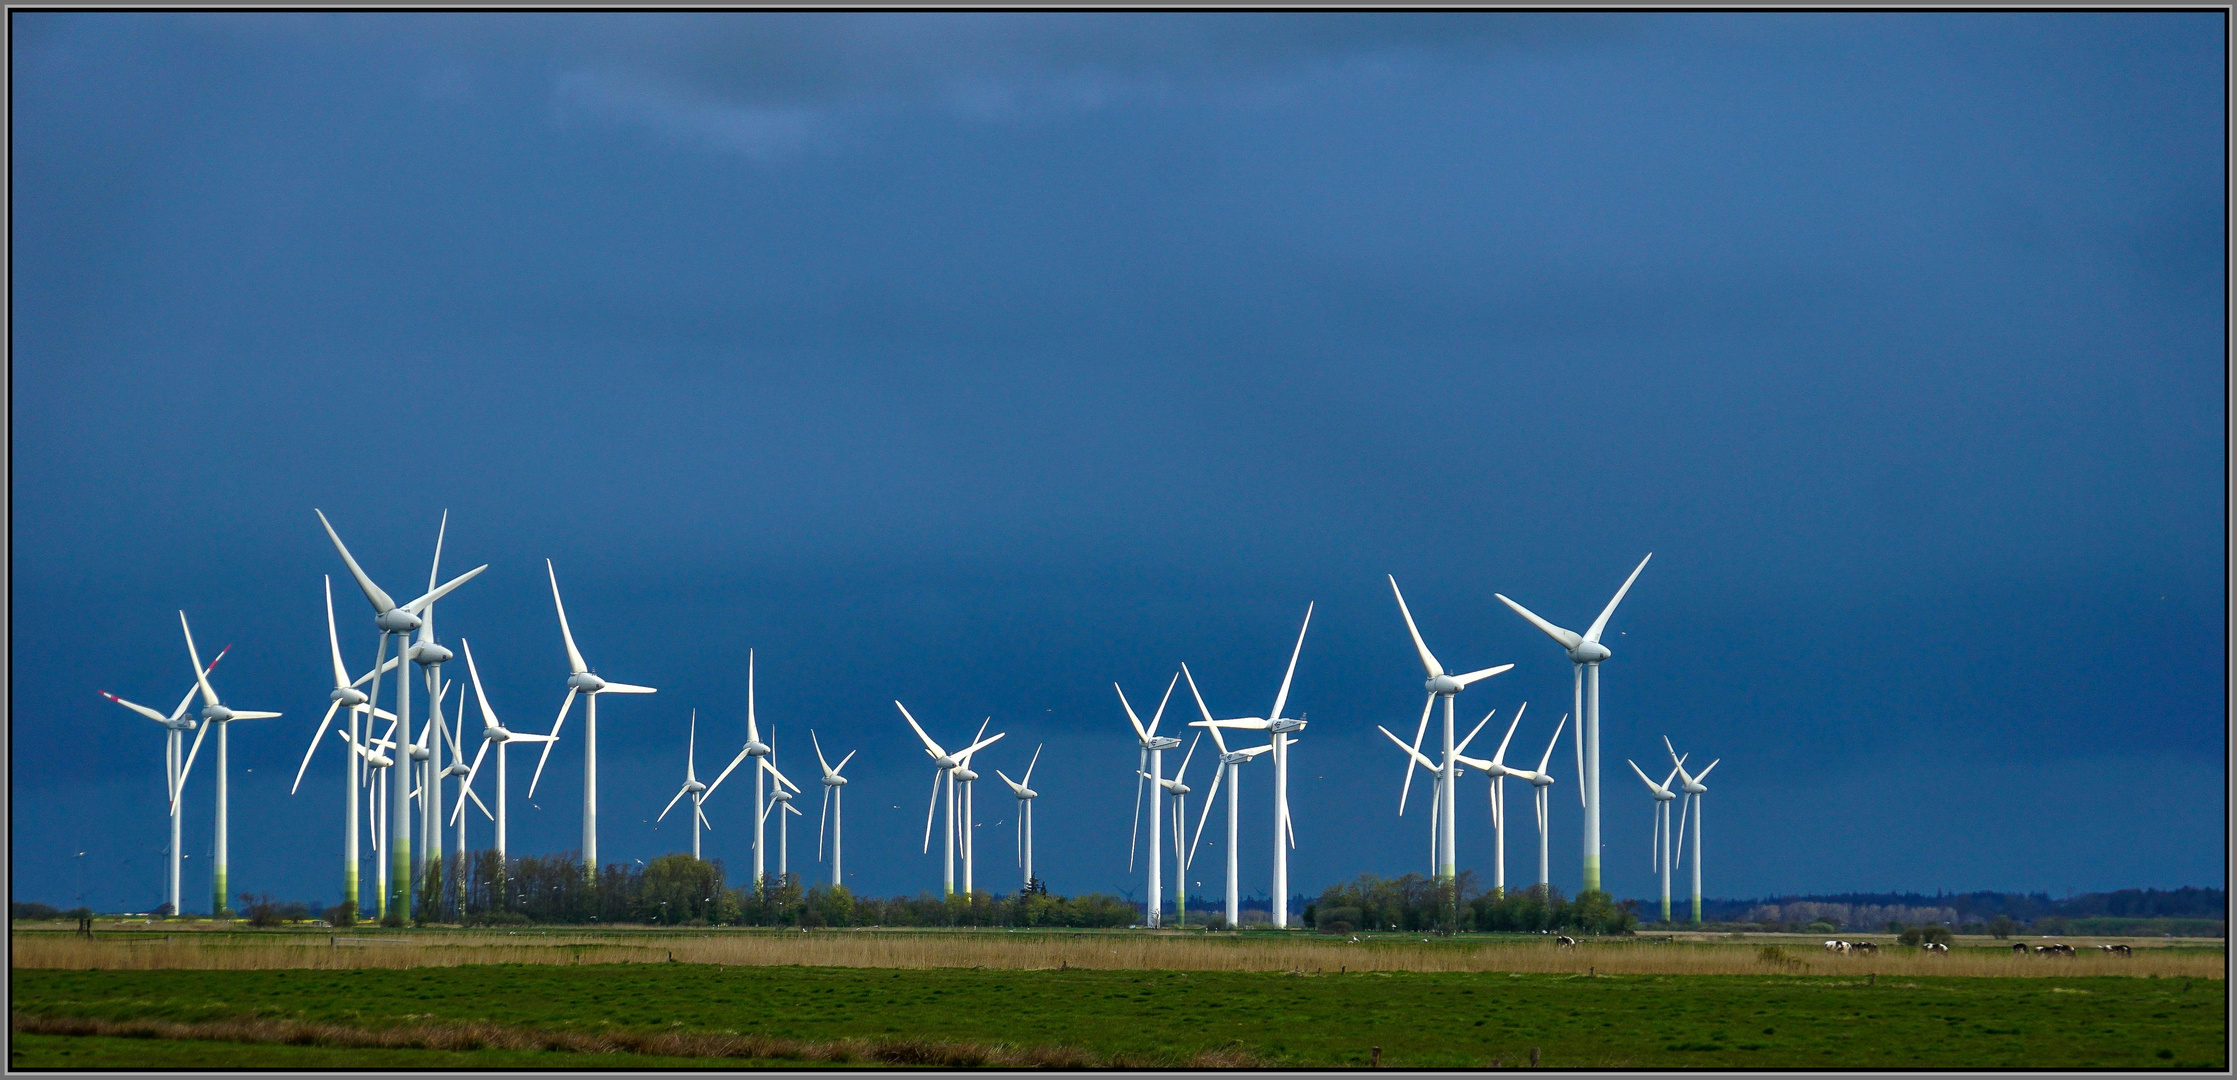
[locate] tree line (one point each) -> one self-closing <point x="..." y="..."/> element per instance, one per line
<point x="1415" y="903"/>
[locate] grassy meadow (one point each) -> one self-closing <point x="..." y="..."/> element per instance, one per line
<point x="566" y="999"/>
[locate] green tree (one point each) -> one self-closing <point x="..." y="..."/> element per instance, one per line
<point x="679" y="889"/>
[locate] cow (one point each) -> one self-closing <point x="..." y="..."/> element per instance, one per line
<point x="1866" y="946"/>
<point x="1934" y="946"/>
<point x="1833" y="946"/>
<point x="1565" y="941"/>
<point x="2118" y="950"/>
<point x="2057" y="948"/>
<point x="2020" y="947"/>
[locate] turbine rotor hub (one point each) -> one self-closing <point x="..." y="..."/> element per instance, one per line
<point x="397" y="621"/>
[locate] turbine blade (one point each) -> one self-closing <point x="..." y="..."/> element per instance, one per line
<point x="564" y="706"/>
<point x="1463" y="745"/>
<point x="930" y="747"/>
<point x="931" y="808"/>
<point x="251" y="715"/>
<point x="1211" y="797"/>
<point x="1181" y="777"/>
<point x="1565" y="638"/>
<point x="1643" y="777"/>
<point x="1208" y="723"/>
<point x="1428" y="662"/>
<point x="1028" y="781"/>
<point x="826" y="767"/>
<point x="322" y="725"/>
<point x="1160" y="713"/>
<point x="423" y="603"/>
<point x="1141" y="734"/>
<point x="1551" y="743"/>
<point x="843" y="761"/>
<point x="373" y="594"/>
<point x="1500" y="758"/>
<point x="1704" y="774"/>
<point x="1420" y="730"/>
<point x="1601" y="623"/>
<point x="1410" y="752"/>
<point x="709" y="793"/>
<point x="625" y="688"/>
<point x="142" y="709"/>
<point x="1675" y="760"/>
<point x="820" y="816"/>
<point x="980" y="745"/>
<point x="680" y="793"/>
<point x="475" y="769"/>
<point x="1134" y="834"/>
<point x="1683" y="806"/>
<point x="209" y="696"/>
<point x="1478" y="676"/>
<point x="1282" y="699"/>
<point x="489" y="716"/>
<point x="435" y="567"/>
<point x="575" y="665"/>
<point x="334" y="641"/>
<point x="189" y="766"/>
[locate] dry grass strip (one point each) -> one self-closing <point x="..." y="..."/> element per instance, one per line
<point x="676" y="1044"/>
<point x="873" y="949"/>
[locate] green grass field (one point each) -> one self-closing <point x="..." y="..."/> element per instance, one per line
<point x="1425" y="1019"/>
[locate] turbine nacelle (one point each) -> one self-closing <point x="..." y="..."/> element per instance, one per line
<point x="1443" y="685"/>
<point x="694" y="787"/>
<point x="349" y="697"/>
<point x="834" y="781"/>
<point x="1589" y="652"/>
<point x="1028" y="793"/>
<point x="217" y="714"/>
<point x="583" y="682"/>
<point x="1161" y="743"/>
<point x="430" y="653"/>
<point x="396" y="620"/>
<point x="965" y="776"/>
<point x="757" y="748"/>
<point x="1284" y="726"/>
<point x="781" y="795"/>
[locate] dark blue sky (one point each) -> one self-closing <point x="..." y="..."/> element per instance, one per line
<point x="980" y="360"/>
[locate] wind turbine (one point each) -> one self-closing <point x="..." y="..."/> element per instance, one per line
<point x="834" y="803"/>
<point x="377" y="823"/>
<point x="492" y="732"/>
<point x="1440" y="685"/>
<point x="692" y="787"/>
<point x="174" y="769"/>
<point x="581" y="681"/>
<point x="1498" y="770"/>
<point x="1660" y="846"/>
<point x="215" y="714"/>
<point x="430" y="657"/>
<point x="1178" y="788"/>
<point x="1152" y="754"/>
<point x="1231" y="765"/>
<point x="944" y="765"/>
<point x="1694" y="789"/>
<point x="1281" y="728"/>
<point x="344" y="695"/>
<point x="966" y="778"/>
<point x="1540" y="782"/>
<point x="1436" y="793"/>
<point x="757" y="750"/>
<point x="1024" y="791"/>
<point x="779" y="800"/>
<point x="400" y="621"/>
<point x="1586" y="652"/>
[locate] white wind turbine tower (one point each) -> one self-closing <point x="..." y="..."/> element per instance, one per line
<point x="215" y="714"/>
<point x="1694" y="790"/>
<point x="1281" y="727"/>
<point x="944" y="765"/>
<point x="1231" y="763"/>
<point x="692" y="787"/>
<point x="965" y="778"/>
<point x="492" y="732"/>
<point x="1498" y="770"/>
<point x="1660" y="846"/>
<point x="1440" y="685"/>
<point x="344" y="695"/>
<point x="1586" y="652"/>
<point x="1152" y="755"/>
<point x="757" y="750"/>
<point x="581" y="681"/>
<point x="401" y="621"/>
<point x="1495" y="768"/>
<point x="1540" y="782"/>
<point x="1178" y="788"/>
<point x="377" y="822"/>
<point x="834" y="804"/>
<point x="1025" y="793"/>
<point x="174" y="768"/>
<point x="780" y="801"/>
<point x="430" y="656"/>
